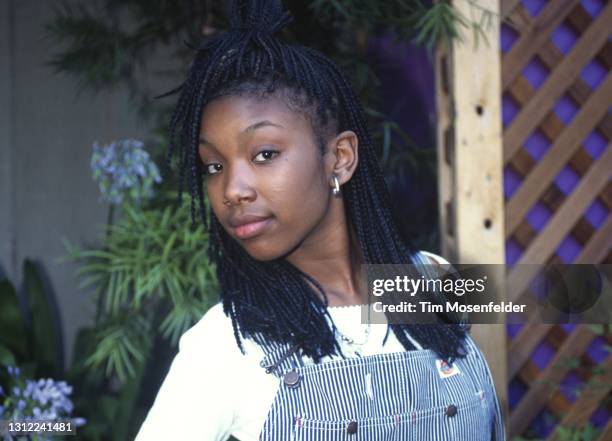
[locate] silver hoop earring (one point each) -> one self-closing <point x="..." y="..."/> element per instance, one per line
<point x="336" y="189"/>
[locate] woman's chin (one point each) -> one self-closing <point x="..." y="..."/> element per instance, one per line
<point x="262" y="252"/>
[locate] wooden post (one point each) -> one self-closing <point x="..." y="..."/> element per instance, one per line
<point x="470" y="163"/>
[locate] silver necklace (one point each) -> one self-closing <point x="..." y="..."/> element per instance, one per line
<point x="350" y="341"/>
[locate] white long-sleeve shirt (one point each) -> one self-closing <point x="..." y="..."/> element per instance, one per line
<point x="213" y="391"/>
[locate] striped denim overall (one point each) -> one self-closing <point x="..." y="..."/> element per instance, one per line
<point x="384" y="397"/>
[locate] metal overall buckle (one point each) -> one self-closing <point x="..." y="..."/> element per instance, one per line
<point x="291" y="378"/>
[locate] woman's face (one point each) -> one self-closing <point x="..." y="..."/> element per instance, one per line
<point x="265" y="177"/>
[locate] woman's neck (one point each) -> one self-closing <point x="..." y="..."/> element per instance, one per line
<point x="334" y="259"/>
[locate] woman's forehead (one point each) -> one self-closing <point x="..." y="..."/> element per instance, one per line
<point x="238" y="113"/>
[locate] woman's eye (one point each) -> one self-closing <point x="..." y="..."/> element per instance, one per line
<point x="212" y="169"/>
<point x="266" y="155"/>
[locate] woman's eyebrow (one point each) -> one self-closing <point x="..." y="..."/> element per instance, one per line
<point x="260" y="124"/>
<point x="249" y="129"/>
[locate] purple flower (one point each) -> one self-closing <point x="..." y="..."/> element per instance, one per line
<point x="123" y="169"/>
<point x="55" y="394"/>
<point x="47" y="399"/>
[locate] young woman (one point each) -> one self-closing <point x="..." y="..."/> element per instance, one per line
<point x="297" y="205"/>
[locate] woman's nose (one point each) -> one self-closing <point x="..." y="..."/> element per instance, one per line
<point x="239" y="185"/>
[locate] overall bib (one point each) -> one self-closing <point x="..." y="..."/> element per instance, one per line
<point x="397" y="396"/>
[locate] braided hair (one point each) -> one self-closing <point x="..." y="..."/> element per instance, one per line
<point x="273" y="300"/>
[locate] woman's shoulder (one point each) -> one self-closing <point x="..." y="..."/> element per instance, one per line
<point x="212" y="334"/>
<point x="214" y="322"/>
<point x="215" y="332"/>
<point x="205" y="384"/>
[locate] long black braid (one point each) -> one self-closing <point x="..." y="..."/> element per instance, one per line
<point x="273" y="301"/>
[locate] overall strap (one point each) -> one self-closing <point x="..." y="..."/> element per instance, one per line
<point x="280" y="358"/>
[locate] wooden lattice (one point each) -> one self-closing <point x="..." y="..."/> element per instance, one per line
<point x="538" y="186"/>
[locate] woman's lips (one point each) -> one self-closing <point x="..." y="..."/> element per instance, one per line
<point x="252" y="229"/>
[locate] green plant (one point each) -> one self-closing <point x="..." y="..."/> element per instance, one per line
<point x="108" y="40"/>
<point x="596" y="380"/>
<point x="153" y="276"/>
<point x="153" y="281"/>
<point x="30" y="337"/>
<point x="26" y="400"/>
<point x="585" y="433"/>
<point x="31" y="347"/>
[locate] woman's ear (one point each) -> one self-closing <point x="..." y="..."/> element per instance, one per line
<point x="344" y="147"/>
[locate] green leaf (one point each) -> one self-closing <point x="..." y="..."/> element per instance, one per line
<point x="128" y="399"/>
<point x="13" y="332"/>
<point x="168" y="247"/>
<point x="6" y="357"/>
<point x="47" y="344"/>
<point x="597" y="329"/>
